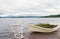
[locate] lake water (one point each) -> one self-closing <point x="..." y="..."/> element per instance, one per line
<point x="12" y="21"/>
<point x="4" y="22"/>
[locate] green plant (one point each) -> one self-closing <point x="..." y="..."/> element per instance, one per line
<point x="46" y="25"/>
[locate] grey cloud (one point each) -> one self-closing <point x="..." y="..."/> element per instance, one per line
<point x="42" y="7"/>
<point x="39" y="9"/>
<point x="7" y="2"/>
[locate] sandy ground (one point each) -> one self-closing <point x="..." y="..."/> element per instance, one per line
<point x="36" y="35"/>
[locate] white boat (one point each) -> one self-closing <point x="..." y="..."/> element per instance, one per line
<point x="33" y="28"/>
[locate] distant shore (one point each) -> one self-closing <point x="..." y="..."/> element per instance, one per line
<point x="50" y="16"/>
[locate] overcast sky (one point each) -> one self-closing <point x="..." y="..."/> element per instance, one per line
<point x="30" y="6"/>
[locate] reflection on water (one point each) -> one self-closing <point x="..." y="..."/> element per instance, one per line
<point x="4" y="22"/>
<point x="11" y="21"/>
<point x="7" y="23"/>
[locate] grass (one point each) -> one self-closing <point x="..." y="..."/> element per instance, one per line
<point x="46" y="25"/>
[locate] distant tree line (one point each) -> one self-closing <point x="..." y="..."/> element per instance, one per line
<point x="53" y="16"/>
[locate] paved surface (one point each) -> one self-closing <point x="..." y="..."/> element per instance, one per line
<point x="53" y="35"/>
